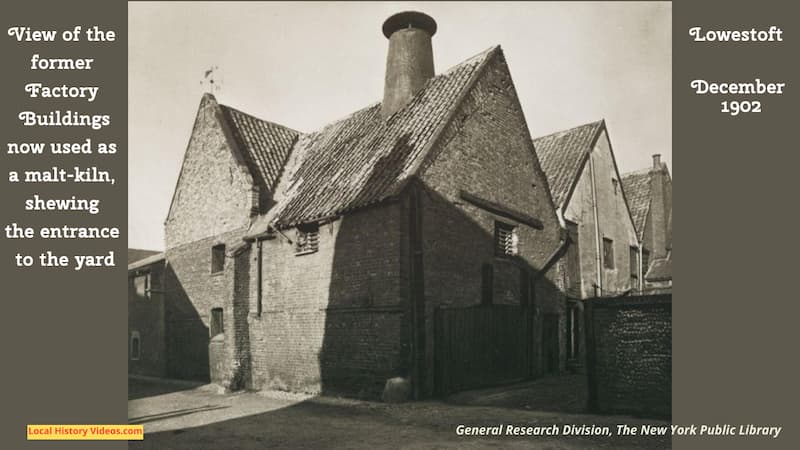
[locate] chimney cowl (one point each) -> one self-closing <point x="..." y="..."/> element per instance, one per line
<point x="409" y="19"/>
<point x="409" y="61"/>
<point x="657" y="161"/>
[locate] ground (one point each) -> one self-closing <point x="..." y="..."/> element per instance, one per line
<point x="189" y="416"/>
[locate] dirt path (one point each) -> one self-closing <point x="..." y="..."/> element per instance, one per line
<point x="199" y="418"/>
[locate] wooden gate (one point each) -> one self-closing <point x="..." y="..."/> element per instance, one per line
<point x="482" y="346"/>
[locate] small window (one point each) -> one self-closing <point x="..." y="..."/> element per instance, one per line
<point x="645" y="260"/>
<point x="136" y="346"/>
<point x="615" y="183"/>
<point x="141" y="285"/>
<point x="217" y="324"/>
<point x="634" y="260"/>
<point x="307" y="239"/>
<point x="506" y="239"/>
<point x="608" y="253"/>
<point x="217" y="258"/>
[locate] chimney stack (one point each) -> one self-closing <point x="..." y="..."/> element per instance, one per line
<point x="656" y="161"/>
<point x="409" y="63"/>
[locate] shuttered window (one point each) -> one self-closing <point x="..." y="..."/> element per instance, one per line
<point x="506" y="239"/>
<point x="307" y="239"/>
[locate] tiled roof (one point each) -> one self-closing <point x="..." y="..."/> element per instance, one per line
<point x="154" y="258"/>
<point x="135" y="254"/>
<point x="637" y="190"/>
<point x="364" y="158"/>
<point x="660" y="269"/>
<point x="561" y="155"/>
<point x="265" y="146"/>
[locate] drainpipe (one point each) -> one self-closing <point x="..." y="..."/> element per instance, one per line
<point x="259" y="244"/>
<point x="599" y="282"/>
<point x="641" y="269"/>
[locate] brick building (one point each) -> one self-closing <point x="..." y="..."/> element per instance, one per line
<point x="147" y="352"/>
<point x="316" y="262"/>
<point x="650" y="194"/>
<point x="603" y="256"/>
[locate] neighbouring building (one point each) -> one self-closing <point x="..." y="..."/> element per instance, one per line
<point x="147" y="352"/>
<point x="321" y="262"/>
<point x="650" y="194"/>
<point x="602" y="258"/>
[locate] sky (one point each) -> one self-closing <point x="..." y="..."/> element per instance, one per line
<point x="304" y="65"/>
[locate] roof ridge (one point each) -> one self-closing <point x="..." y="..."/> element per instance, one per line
<point x="231" y="108"/>
<point x="470" y="60"/>
<point x="643" y="171"/>
<point x="569" y="130"/>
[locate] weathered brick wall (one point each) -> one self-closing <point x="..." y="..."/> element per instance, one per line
<point x="486" y="152"/>
<point x="146" y="316"/>
<point x="630" y="355"/>
<point x="192" y="291"/>
<point x="214" y="193"/>
<point x="333" y="320"/>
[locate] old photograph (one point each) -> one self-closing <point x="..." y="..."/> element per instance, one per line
<point x="399" y="224"/>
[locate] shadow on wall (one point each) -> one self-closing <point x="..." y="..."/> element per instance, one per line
<point x="396" y="264"/>
<point x="187" y="335"/>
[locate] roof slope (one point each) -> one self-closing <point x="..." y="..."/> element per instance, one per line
<point x="364" y="158"/>
<point x="660" y="269"/>
<point x="637" y="188"/>
<point x="135" y="254"/>
<point x="562" y="154"/>
<point x="265" y="146"/>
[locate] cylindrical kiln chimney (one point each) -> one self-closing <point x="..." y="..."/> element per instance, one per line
<point x="409" y="63"/>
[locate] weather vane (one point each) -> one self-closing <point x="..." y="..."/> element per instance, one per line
<point x="212" y="80"/>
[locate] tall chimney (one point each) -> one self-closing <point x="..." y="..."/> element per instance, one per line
<point x="409" y="63"/>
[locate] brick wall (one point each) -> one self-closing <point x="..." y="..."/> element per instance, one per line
<point x="629" y="355"/>
<point x="214" y="193"/>
<point x="487" y="152"/>
<point x="193" y="291"/>
<point x="332" y="320"/>
<point x="146" y="317"/>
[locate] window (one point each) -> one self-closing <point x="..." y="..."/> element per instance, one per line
<point x="217" y="325"/>
<point x="136" y="345"/>
<point x="573" y="261"/>
<point x="141" y="285"/>
<point x="573" y="343"/>
<point x="307" y="239"/>
<point x="217" y="258"/>
<point x="634" y="263"/>
<point x="608" y="253"/>
<point x="615" y="183"/>
<point x="634" y="259"/>
<point x="506" y="239"/>
<point x="645" y="260"/>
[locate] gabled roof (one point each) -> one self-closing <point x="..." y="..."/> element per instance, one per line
<point x="562" y="156"/>
<point x="364" y="158"/>
<point x="637" y="187"/>
<point x="265" y="146"/>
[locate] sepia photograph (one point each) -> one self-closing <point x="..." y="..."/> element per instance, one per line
<point x="399" y="224"/>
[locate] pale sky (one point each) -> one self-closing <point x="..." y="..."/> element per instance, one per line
<point x="303" y="65"/>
